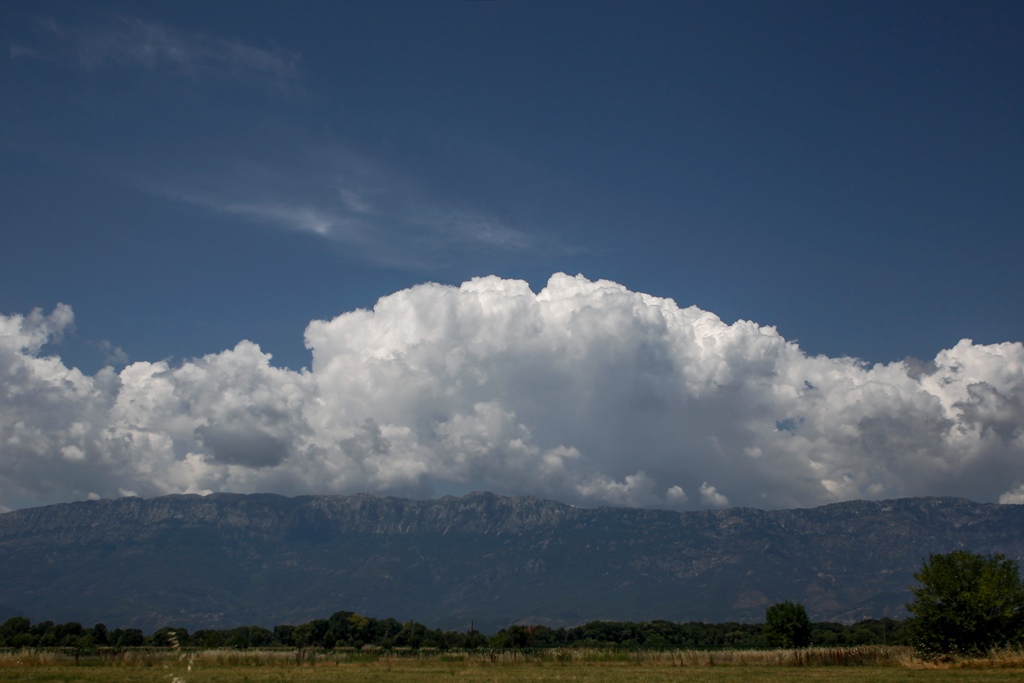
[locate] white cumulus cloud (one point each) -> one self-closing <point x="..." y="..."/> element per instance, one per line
<point x="584" y="392"/>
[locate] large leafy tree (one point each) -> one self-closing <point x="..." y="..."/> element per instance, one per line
<point x="967" y="603"/>
<point x="787" y="625"/>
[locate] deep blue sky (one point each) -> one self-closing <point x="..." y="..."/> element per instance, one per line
<point x="850" y="172"/>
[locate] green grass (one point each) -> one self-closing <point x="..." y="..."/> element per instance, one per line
<point x="855" y="665"/>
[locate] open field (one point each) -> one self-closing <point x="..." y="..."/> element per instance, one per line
<point x="856" y="665"/>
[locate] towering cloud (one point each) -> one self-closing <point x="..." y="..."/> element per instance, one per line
<point x="584" y="392"/>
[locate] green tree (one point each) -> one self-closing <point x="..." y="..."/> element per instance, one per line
<point x="786" y="625"/>
<point x="99" y="634"/>
<point x="127" y="637"/>
<point x="310" y="634"/>
<point x="283" y="634"/>
<point x="967" y="603"/>
<point x="208" y="639"/>
<point x="14" y="627"/>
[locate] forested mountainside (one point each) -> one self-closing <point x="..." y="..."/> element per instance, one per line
<point x="227" y="560"/>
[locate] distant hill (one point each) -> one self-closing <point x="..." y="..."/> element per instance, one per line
<point x="228" y="560"/>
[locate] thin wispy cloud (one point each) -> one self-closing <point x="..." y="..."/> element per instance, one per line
<point x="349" y="200"/>
<point x="479" y="229"/>
<point x="275" y="176"/>
<point x="299" y="219"/>
<point x="133" y="42"/>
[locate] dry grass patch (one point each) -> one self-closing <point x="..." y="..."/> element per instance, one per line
<point x="853" y="665"/>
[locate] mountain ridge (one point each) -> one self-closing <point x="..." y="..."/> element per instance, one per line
<point x="225" y="560"/>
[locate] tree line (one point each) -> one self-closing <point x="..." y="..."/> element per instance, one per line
<point x="351" y="630"/>
<point x="342" y="629"/>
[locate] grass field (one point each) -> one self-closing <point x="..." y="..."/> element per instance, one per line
<point x="856" y="665"/>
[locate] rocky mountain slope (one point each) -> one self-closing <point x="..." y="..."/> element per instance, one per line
<point x="227" y="560"/>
